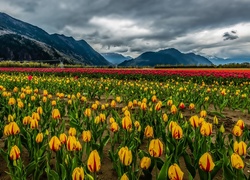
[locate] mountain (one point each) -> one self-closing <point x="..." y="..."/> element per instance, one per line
<point x="167" y="57"/>
<point x="64" y="48"/>
<point x="217" y="61"/>
<point x="115" y="58"/>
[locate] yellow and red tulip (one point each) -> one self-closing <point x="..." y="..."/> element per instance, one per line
<point x="15" y="153"/>
<point x="206" y="162"/>
<point x="78" y="174"/>
<point x="86" y="136"/>
<point x="125" y="156"/>
<point x="149" y="132"/>
<point x="94" y="161"/>
<point x="236" y="161"/>
<point x="237" y="131"/>
<point x="155" y="148"/>
<point x="54" y="143"/>
<point x="240" y="148"/>
<point x="56" y="114"/>
<point x="177" y="132"/>
<point x="39" y="137"/>
<point x="206" y="129"/>
<point x="145" y="163"/>
<point x="175" y="173"/>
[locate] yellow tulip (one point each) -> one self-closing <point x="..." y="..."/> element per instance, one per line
<point x="181" y="105"/>
<point x="173" y="109"/>
<point x="165" y="117"/>
<point x="143" y="106"/>
<point x="86" y="136"/>
<point x="12" y="101"/>
<point x="118" y="99"/>
<point x="215" y="120"/>
<point x="125" y="156"/>
<point x="53" y="103"/>
<point x="36" y="116"/>
<point x="44" y="99"/>
<point x="236" y="161"/>
<point x="124" y="177"/>
<point x="39" y="110"/>
<point x="78" y="174"/>
<point x="33" y="123"/>
<point x="155" y="148"/>
<point x="63" y="138"/>
<point x="102" y="117"/>
<point x="56" y="114"/>
<point x="203" y="113"/>
<point x="78" y="146"/>
<point x="171" y="125"/>
<point x="54" y="143"/>
<point x="13" y="128"/>
<point x="15" y="153"/>
<point x="237" y="131"/>
<point x="130" y="104"/>
<point x="240" y="123"/>
<point x="222" y="129"/>
<point x="158" y="106"/>
<point x="126" y="123"/>
<point x="191" y="106"/>
<point x="20" y="104"/>
<point x="94" y="161"/>
<point x="10" y="118"/>
<point x="149" y="132"/>
<point x="72" y="131"/>
<point x="71" y="143"/>
<point x="97" y="120"/>
<point x="114" y="127"/>
<point x="26" y="120"/>
<point x="194" y="121"/>
<point x="113" y="104"/>
<point x="145" y="163"/>
<point x="39" y="137"/>
<point x="154" y="98"/>
<point x="177" y="132"/>
<point x="170" y="102"/>
<point x="240" y="148"/>
<point x="206" y="162"/>
<point x="135" y="103"/>
<point x="206" y="129"/>
<point x="45" y="93"/>
<point x="111" y="120"/>
<point x="126" y="113"/>
<point x="87" y="112"/>
<point x="175" y="173"/>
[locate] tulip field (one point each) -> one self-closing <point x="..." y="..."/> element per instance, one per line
<point x="137" y="124"/>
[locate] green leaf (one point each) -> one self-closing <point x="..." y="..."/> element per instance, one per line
<point x="164" y="170"/>
<point x="190" y="167"/>
<point x="217" y="167"/>
<point x="64" y="172"/>
<point x="54" y="175"/>
<point x="30" y="168"/>
<point x="227" y="172"/>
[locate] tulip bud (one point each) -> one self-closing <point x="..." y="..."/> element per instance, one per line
<point x="102" y="117"/>
<point x="124" y="177"/>
<point x="240" y="148"/>
<point x="33" y="123"/>
<point x="126" y="123"/>
<point x="173" y="109"/>
<point x="72" y="131"/>
<point x="71" y="143"/>
<point x="175" y="173"/>
<point x="56" y="114"/>
<point x="54" y="143"/>
<point x="155" y="148"/>
<point x="87" y="112"/>
<point x="171" y="125"/>
<point x="154" y="98"/>
<point x="191" y="106"/>
<point x="181" y="105"/>
<point x="53" y="103"/>
<point x="45" y="93"/>
<point x="215" y="120"/>
<point x="97" y="120"/>
<point x="240" y="123"/>
<point x="86" y="136"/>
<point x="158" y="106"/>
<point x="130" y="104"/>
<point x="78" y="173"/>
<point x="145" y="163"/>
<point x="15" y="153"/>
<point x="237" y="131"/>
<point x="206" y="129"/>
<point x="149" y="132"/>
<point x="114" y="127"/>
<point x="63" y="138"/>
<point x="236" y="161"/>
<point x="170" y="102"/>
<point x="111" y="120"/>
<point x="118" y="99"/>
<point x="222" y="129"/>
<point x="143" y="106"/>
<point x="39" y="110"/>
<point x="165" y="117"/>
<point x="39" y="137"/>
<point x="10" y="118"/>
<point x="206" y="162"/>
<point x="177" y="132"/>
<point x="203" y="113"/>
<point x="94" y="161"/>
<point x="126" y="113"/>
<point x="125" y="156"/>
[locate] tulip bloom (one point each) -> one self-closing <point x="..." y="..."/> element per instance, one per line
<point x="175" y="173"/>
<point x="126" y="123"/>
<point x="154" y="98"/>
<point x="173" y="109"/>
<point x="143" y="106"/>
<point x="194" y="121"/>
<point x="114" y="127"/>
<point x="177" y="132"/>
<point x="170" y="102"/>
<point x="124" y="177"/>
<point x="236" y="161"/>
<point x="171" y="125"/>
<point x="54" y="143"/>
<point x="26" y="120"/>
<point x="72" y="131"/>
<point x="240" y="148"/>
<point x="56" y="114"/>
<point x="158" y="106"/>
<point x="111" y="120"/>
<point x="13" y="128"/>
<point x="86" y="136"/>
<point x="12" y="101"/>
<point x="191" y="106"/>
<point x="53" y="103"/>
<point x="71" y="143"/>
<point x="39" y="137"/>
<point x="94" y="161"/>
<point x="206" y="162"/>
<point x="63" y="138"/>
<point x="102" y="117"/>
<point x="165" y="117"/>
<point x="39" y="110"/>
<point x="145" y="163"/>
<point x="33" y="123"/>
<point x="149" y="132"/>
<point x="181" y="105"/>
<point x="15" y="153"/>
<point x="36" y="116"/>
<point x="78" y="146"/>
<point x="240" y="123"/>
<point x="203" y="113"/>
<point x="206" y="129"/>
<point x="125" y="156"/>
<point x="78" y="174"/>
<point x="87" y="112"/>
<point x="215" y="120"/>
<point x="237" y="131"/>
<point x="155" y="148"/>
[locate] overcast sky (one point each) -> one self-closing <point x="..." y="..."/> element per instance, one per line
<point x="130" y="27"/>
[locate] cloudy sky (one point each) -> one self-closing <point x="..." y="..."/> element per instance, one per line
<point x="207" y="27"/>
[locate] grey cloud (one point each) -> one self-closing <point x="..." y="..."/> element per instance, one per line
<point x="230" y="35"/>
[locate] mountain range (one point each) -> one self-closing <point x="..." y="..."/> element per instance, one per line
<point x="23" y="41"/>
<point x="115" y="58"/>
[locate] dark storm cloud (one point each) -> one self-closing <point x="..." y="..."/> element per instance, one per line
<point x="138" y="24"/>
<point x="230" y="35"/>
